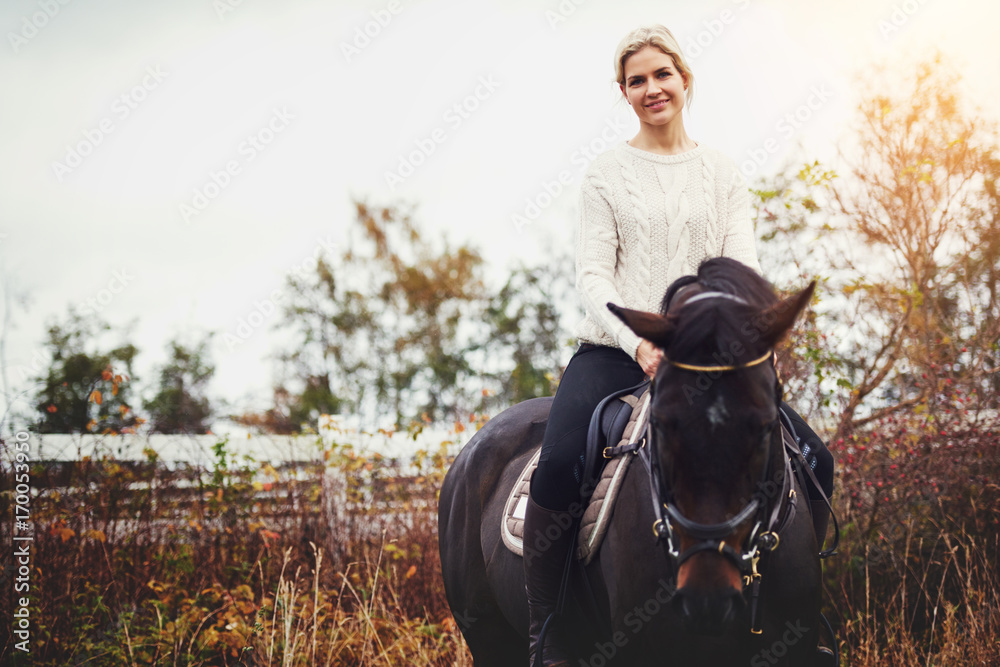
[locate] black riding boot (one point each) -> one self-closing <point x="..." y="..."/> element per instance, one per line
<point x="547" y="537"/>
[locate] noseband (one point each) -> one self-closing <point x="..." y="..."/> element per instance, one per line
<point x="712" y="537"/>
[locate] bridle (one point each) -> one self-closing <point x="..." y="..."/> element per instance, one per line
<point x="712" y="537"/>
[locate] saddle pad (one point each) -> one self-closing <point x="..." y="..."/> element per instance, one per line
<point x="596" y="516"/>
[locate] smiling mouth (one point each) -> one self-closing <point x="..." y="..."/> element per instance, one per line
<point x="659" y="104"/>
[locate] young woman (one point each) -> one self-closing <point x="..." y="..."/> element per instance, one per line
<point x="652" y="209"/>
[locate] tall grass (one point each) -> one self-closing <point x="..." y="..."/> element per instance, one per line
<point x="338" y="564"/>
<point x="917" y="580"/>
<point x="240" y="564"/>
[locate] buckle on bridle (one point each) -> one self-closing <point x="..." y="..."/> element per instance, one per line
<point x="769" y="540"/>
<point x="663" y="531"/>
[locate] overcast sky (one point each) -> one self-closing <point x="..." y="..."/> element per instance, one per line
<point x="170" y="162"/>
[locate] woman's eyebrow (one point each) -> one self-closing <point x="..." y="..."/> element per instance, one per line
<point x="665" y="68"/>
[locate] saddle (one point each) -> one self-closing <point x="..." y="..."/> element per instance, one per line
<point x="615" y="420"/>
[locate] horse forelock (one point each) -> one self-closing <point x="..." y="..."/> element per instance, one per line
<point x="715" y="331"/>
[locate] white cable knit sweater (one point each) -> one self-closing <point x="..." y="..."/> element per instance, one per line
<point x="647" y="219"/>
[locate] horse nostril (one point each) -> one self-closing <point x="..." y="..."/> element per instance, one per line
<point x="708" y="614"/>
<point x="680" y="605"/>
<point x="726" y="611"/>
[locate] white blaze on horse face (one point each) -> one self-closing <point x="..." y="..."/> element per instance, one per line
<point x="717" y="412"/>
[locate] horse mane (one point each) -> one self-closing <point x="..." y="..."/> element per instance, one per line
<point x="709" y="328"/>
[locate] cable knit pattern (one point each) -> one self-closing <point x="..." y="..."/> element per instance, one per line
<point x="675" y="207"/>
<point x="629" y="249"/>
<point x="711" y="233"/>
<point x="637" y="279"/>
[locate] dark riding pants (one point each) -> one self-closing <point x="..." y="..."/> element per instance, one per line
<point x="593" y="372"/>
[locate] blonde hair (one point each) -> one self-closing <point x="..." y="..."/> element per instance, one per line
<point x="660" y="37"/>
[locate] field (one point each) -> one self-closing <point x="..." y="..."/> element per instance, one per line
<point x="336" y="562"/>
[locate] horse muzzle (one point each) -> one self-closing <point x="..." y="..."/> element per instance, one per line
<point x="709" y="612"/>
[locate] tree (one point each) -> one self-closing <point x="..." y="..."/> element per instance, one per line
<point x="379" y="330"/>
<point x="180" y="404"/>
<point x="84" y="390"/>
<point x="910" y="237"/>
<point x="523" y="334"/>
<point x="403" y="326"/>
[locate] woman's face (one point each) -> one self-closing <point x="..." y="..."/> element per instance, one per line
<point x="653" y="86"/>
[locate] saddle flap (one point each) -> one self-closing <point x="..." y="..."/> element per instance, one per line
<point x="596" y="514"/>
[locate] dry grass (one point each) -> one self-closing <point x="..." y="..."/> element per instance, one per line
<point x="231" y="579"/>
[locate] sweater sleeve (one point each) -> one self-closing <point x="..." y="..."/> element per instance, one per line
<point x="740" y="242"/>
<point x="596" y="260"/>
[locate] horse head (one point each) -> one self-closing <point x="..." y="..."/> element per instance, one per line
<point x="714" y="435"/>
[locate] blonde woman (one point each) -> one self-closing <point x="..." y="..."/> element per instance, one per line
<point x="652" y="208"/>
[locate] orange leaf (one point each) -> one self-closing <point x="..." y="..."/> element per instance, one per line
<point x="66" y="533"/>
<point x="412" y="571"/>
<point x="106" y="375"/>
<point x="51" y="408"/>
<point x="122" y="409"/>
<point x="114" y="390"/>
<point x="95" y="397"/>
<point x="97" y="535"/>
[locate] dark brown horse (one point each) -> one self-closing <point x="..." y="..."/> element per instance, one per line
<point x="675" y="581"/>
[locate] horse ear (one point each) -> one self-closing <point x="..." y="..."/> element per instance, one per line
<point x="776" y="321"/>
<point x="657" y="329"/>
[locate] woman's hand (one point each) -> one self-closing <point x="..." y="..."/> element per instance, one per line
<point x="648" y="356"/>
